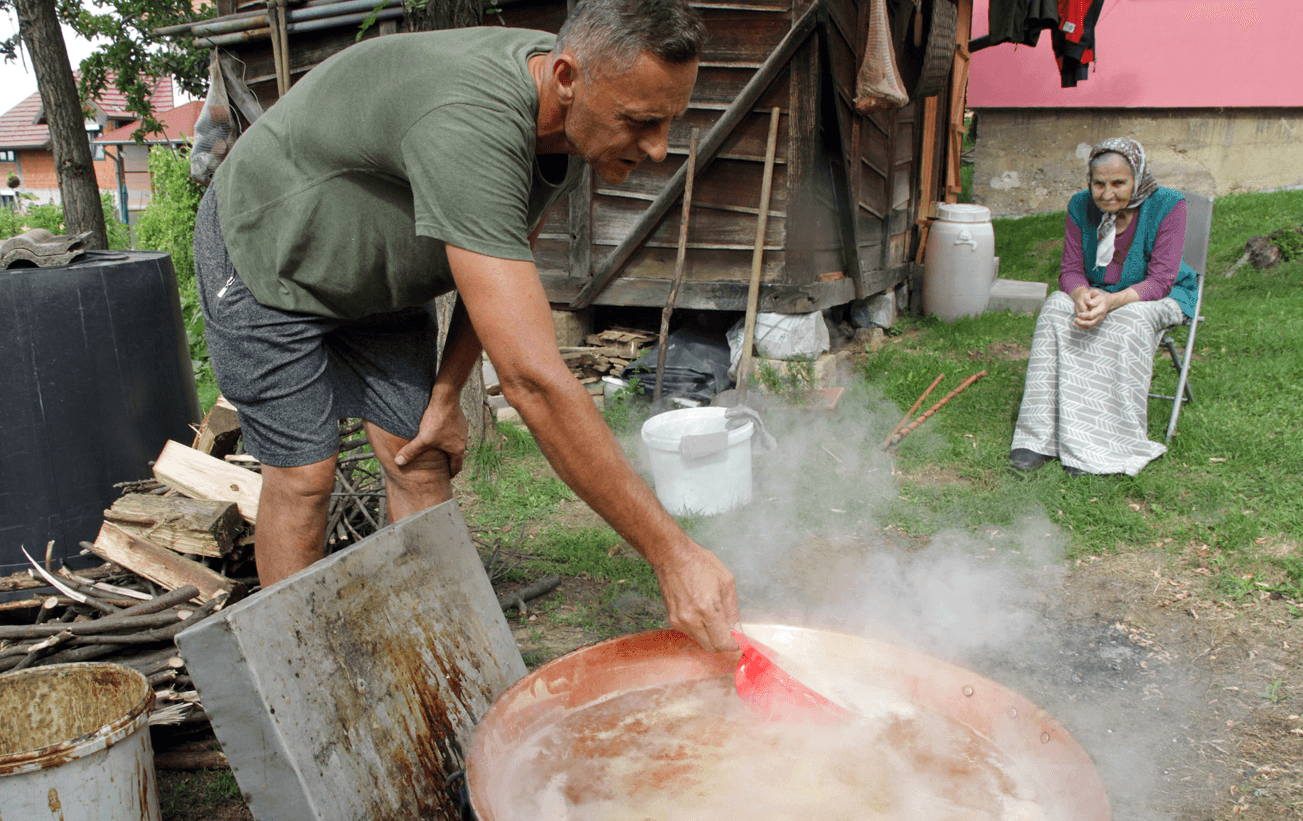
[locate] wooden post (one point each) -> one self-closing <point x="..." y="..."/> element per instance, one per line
<point x="679" y="261"/>
<point x="757" y="257"/>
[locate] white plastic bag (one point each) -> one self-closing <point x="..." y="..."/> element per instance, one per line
<point x="216" y="129"/>
<point x="781" y="336"/>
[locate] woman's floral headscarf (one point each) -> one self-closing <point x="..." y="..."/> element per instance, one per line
<point x="1134" y="153"/>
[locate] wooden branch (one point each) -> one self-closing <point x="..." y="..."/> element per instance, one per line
<point x="89" y="628"/>
<point x="710" y="145"/>
<point x="201" y="476"/>
<point x="516" y="599"/>
<point x="200" y="527"/>
<point x="160" y="565"/>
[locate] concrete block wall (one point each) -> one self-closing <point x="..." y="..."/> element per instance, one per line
<point x="1030" y="161"/>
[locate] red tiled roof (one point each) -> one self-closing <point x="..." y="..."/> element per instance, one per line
<point x="178" y="124"/>
<point x="22" y="126"/>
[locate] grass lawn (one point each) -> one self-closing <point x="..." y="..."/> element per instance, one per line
<point x="1226" y="494"/>
<point x="1231" y="479"/>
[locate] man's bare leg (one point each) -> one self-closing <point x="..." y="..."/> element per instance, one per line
<point x="422" y="483"/>
<point x="291" y="531"/>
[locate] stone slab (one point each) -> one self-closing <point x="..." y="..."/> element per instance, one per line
<point x="1017" y="296"/>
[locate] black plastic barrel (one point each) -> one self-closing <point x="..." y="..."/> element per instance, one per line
<point x="95" y="377"/>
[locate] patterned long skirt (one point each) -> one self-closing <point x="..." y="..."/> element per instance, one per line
<point x="1086" y="396"/>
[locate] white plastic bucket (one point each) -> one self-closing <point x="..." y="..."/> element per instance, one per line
<point x="702" y="476"/>
<point x="959" y="265"/>
<point x="74" y="744"/>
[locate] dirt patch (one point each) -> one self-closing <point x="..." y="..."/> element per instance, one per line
<point x="930" y="475"/>
<point x="1012" y="351"/>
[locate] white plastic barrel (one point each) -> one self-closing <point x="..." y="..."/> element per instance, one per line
<point x="959" y="265"/>
<point x="708" y="475"/>
<point x="74" y="744"/>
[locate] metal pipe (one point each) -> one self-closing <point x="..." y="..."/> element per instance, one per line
<point x="315" y="10"/>
<point x="294" y="16"/>
<point x="188" y="28"/>
<point x="294" y="28"/>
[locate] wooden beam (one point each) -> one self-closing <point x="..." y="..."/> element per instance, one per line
<point x="581" y="225"/>
<point x="160" y="565"/>
<point x="710" y="145"/>
<point x="201" y="476"/>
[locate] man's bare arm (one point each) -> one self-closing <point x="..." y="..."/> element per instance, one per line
<point x="511" y="316"/>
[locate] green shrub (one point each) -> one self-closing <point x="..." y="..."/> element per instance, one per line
<point x="168" y="223"/>
<point x="50" y="217"/>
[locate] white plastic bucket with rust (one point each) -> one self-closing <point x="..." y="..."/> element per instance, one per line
<point x="74" y="744"/>
<point x="959" y="265"/>
<point x="699" y="465"/>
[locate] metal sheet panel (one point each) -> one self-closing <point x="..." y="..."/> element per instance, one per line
<point x="349" y="690"/>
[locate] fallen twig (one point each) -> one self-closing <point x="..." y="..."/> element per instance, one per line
<point x="516" y="599"/>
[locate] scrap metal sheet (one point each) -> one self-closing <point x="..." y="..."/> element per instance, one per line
<point x="349" y="690"/>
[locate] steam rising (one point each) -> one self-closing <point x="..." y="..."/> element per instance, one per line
<point x="817" y="548"/>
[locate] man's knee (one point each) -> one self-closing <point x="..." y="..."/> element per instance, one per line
<point x="307" y="482"/>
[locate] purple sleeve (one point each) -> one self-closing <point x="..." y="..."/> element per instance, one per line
<point x="1165" y="262"/>
<point x="1072" y="273"/>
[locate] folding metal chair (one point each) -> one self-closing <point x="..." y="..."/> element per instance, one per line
<point x="1198" y="228"/>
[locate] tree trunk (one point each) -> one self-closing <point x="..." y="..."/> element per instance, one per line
<point x="444" y="14"/>
<point x="436" y="15"/>
<point x="39" y="26"/>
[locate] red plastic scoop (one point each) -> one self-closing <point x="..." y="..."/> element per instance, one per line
<point x="773" y="694"/>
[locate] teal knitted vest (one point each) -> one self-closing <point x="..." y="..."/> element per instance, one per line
<point x="1150" y="216"/>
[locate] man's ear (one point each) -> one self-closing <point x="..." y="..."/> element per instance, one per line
<point x="565" y="75"/>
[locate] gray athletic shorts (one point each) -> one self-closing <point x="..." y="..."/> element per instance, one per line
<point x="292" y="376"/>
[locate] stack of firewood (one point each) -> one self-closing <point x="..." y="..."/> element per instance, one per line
<point x="606" y="353"/>
<point x="178" y="548"/>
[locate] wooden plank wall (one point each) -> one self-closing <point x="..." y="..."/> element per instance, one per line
<point x="725" y="208"/>
<point x="873" y="158"/>
<point x="881" y="152"/>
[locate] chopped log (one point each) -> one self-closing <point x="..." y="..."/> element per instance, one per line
<point x="201" y="476"/>
<point x="200" y="527"/>
<point x="160" y="565"/>
<point x="220" y="431"/>
<point x="20" y="581"/>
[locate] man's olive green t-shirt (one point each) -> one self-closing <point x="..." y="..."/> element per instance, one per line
<point x="339" y="199"/>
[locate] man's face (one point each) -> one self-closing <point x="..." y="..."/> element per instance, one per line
<point x="615" y="122"/>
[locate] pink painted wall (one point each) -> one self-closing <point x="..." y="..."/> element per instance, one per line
<point x="1157" y="54"/>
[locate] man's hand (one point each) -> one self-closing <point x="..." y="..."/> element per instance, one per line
<point x="700" y="597"/>
<point x="443" y="427"/>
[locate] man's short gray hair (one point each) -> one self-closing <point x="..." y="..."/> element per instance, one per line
<point x="606" y="37"/>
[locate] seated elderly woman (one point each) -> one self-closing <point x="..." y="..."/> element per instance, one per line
<point x="1122" y="281"/>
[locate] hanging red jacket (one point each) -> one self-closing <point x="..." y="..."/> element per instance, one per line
<point x="1074" y="39"/>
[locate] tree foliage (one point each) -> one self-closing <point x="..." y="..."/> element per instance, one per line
<point x="127" y="53"/>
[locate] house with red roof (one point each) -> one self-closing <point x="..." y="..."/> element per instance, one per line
<point x="27" y="153"/>
<point x="1209" y="87"/>
<point x="132" y="183"/>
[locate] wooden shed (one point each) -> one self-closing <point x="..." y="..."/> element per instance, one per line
<point x="850" y="190"/>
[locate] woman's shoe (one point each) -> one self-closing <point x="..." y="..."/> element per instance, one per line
<point x="1022" y="460"/>
<point x="1075" y="473"/>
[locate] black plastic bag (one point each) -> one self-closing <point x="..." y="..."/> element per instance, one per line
<point x="696" y="366"/>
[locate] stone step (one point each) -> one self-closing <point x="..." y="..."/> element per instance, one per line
<point x="1017" y="296"/>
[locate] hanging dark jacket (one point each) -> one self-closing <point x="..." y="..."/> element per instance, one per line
<point x="1017" y="21"/>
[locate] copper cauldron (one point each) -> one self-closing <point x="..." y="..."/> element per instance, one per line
<point x="651" y="719"/>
